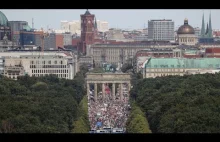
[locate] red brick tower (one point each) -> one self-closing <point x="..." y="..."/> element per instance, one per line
<point x="87" y="31"/>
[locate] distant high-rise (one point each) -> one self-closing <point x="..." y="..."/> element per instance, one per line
<point x="102" y="26"/>
<point x="72" y="27"/>
<point x="161" y="30"/>
<point x="18" y="25"/>
<point x="67" y="39"/>
<point x="53" y="41"/>
<point x="75" y="26"/>
<point x="197" y="31"/>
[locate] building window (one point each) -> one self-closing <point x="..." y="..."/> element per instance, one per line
<point x="49" y="62"/>
<point x="55" y="62"/>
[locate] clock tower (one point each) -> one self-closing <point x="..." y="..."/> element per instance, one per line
<point x="87" y="31"/>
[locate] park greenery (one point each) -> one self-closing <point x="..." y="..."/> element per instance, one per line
<point x="137" y="122"/>
<point x="180" y="104"/>
<point x="127" y="67"/>
<point x="42" y="105"/>
<point x="81" y="125"/>
<point x="171" y="104"/>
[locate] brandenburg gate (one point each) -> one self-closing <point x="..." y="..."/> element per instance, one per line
<point x="108" y="78"/>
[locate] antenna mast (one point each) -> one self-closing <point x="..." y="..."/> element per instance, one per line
<point x="32" y="23"/>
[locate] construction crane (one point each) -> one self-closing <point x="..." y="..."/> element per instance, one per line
<point x="43" y="36"/>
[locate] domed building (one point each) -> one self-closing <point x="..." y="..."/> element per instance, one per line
<point x="186" y="34"/>
<point x="5" y="29"/>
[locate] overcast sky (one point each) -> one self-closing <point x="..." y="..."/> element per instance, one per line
<point x="125" y="18"/>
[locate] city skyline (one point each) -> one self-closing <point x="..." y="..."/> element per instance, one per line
<point x="46" y="18"/>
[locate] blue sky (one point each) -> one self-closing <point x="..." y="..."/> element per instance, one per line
<point x="124" y="18"/>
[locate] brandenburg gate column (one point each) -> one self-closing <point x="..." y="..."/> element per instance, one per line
<point x="95" y="91"/>
<point x="113" y="90"/>
<point x="88" y="89"/>
<point x="103" y="90"/>
<point x="129" y="87"/>
<point x="121" y="90"/>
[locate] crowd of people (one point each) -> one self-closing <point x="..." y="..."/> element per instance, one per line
<point x="107" y="112"/>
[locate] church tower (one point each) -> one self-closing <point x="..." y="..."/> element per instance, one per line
<point x="87" y="31"/>
<point x="210" y="26"/>
<point x="203" y="27"/>
<point x="207" y="30"/>
<point x="206" y="34"/>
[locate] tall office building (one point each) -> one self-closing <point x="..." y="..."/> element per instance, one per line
<point x="18" y="25"/>
<point x="197" y="31"/>
<point x="67" y="39"/>
<point x="161" y="30"/>
<point x="72" y="27"/>
<point x="53" y="41"/>
<point x="102" y="26"/>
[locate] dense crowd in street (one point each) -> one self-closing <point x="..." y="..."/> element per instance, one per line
<point x="107" y="112"/>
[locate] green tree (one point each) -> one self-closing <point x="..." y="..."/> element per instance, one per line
<point x="137" y="122"/>
<point x="81" y="125"/>
<point x="126" y="66"/>
<point x="180" y="104"/>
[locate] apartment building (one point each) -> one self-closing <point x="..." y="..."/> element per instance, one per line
<point x="38" y="66"/>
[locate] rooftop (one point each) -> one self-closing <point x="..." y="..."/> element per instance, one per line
<point x="38" y="56"/>
<point x="161" y="20"/>
<point x="204" y="63"/>
<point x="18" y="21"/>
<point x="87" y="12"/>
